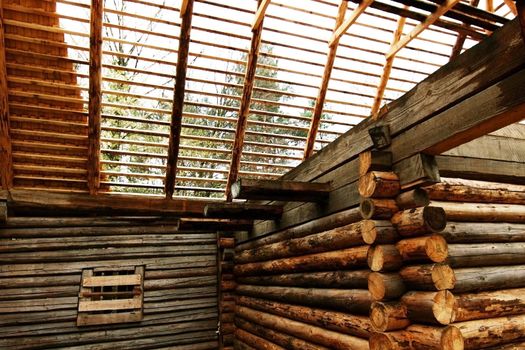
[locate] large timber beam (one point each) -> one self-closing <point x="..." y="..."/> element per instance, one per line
<point x="244" y="108"/>
<point x="6" y="160"/>
<point x="95" y="95"/>
<point x="447" y="5"/>
<point x="341" y="26"/>
<point x="178" y="98"/>
<point x="387" y="69"/>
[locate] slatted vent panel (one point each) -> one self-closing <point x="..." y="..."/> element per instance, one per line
<point x="111" y="296"/>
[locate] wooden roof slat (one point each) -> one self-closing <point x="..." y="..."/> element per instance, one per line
<point x="244" y="108"/>
<point x="178" y="100"/>
<point x="6" y="157"/>
<point x="344" y="26"/>
<point x="95" y="96"/>
<point x="447" y="5"/>
<point x="387" y="69"/>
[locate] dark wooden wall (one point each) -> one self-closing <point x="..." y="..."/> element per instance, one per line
<point x="41" y="262"/>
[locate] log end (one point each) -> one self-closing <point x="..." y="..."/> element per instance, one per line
<point x="436" y="248"/>
<point x="443" y="277"/>
<point x="444" y="307"/>
<point x="381" y="341"/>
<point x="367" y="208"/>
<point x="376" y="286"/>
<point x="435" y="218"/>
<point x="375" y="258"/>
<point x="368" y="231"/>
<point x="452" y="339"/>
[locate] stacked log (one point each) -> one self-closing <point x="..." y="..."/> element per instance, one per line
<point x="226" y="290"/>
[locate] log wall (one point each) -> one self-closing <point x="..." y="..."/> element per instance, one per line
<point x="41" y="262"/>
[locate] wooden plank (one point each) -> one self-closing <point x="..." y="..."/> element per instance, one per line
<point x="280" y="190"/>
<point x="95" y="95"/>
<point x="103" y="305"/>
<point x="321" y="96"/>
<point x="118" y="280"/>
<point x="491" y="147"/>
<point x="447" y="5"/>
<point x="343" y="27"/>
<point x="178" y="99"/>
<point x="6" y="158"/>
<point x="387" y="69"/>
<point x="244" y="107"/>
<point x="242" y="210"/>
<point x="259" y="15"/>
<point x="85" y="319"/>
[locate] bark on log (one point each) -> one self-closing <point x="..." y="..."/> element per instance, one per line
<point x="418" y="337"/>
<point x="419" y="221"/>
<point x="415" y="198"/>
<point x="430" y="248"/>
<point x="255" y="341"/>
<point x="478" y="306"/>
<point x="389" y="316"/>
<point x="379" y="184"/>
<point x="351" y="300"/>
<point x="281" y="339"/>
<point x="489" y="278"/>
<point x="342" y="322"/>
<point x="384" y="258"/>
<point x="339" y="259"/>
<point x="483" y="212"/>
<point x="385" y="286"/>
<point x="428" y="277"/>
<point x="304" y="331"/>
<point x="330" y="279"/>
<point x="474" y="232"/>
<point x="430" y="307"/>
<point x="378" y="209"/>
<point x="486" y="254"/>
<point x="360" y="233"/>
<point x="317" y="225"/>
<point x="459" y="190"/>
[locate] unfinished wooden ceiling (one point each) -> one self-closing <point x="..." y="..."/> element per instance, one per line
<point x="184" y="97"/>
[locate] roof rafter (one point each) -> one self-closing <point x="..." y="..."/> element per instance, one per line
<point x="184" y="7"/>
<point x="341" y="26"/>
<point x="511" y="6"/>
<point x="387" y="69"/>
<point x="259" y="15"/>
<point x="95" y="95"/>
<point x="178" y="99"/>
<point x="447" y="5"/>
<point x="244" y="108"/>
<point x="460" y="41"/>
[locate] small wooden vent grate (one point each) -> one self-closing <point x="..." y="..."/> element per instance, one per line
<point x="110" y="295"/>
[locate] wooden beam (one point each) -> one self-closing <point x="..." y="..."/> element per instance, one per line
<point x="242" y="211"/>
<point x="178" y="100"/>
<point x="511" y="6"/>
<point x="184" y="7"/>
<point x="447" y="5"/>
<point x="343" y="27"/>
<point x="244" y="108"/>
<point x="319" y="102"/>
<point x="280" y="190"/>
<point x="387" y="68"/>
<point x="6" y="158"/>
<point x="259" y="15"/>
<point x="460" y="40"/>
<point x="95" y="95"/>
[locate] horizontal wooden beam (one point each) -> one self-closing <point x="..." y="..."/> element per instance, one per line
<point x="259" y="15"/>
<point x="421" y="27"/>
<point x="341" y="29"/>
<point x="242" y="211"/>
<point x="280" y="190"/>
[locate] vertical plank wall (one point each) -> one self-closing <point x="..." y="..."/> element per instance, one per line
<point x="41" y="262"/>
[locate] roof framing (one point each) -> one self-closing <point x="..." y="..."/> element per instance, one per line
<point x="244" y="108"/>
<point x="341" y="26"/>
<point x="178" y="99"/>
<point x="95" y="95"/>
<point x="6" y="161"/>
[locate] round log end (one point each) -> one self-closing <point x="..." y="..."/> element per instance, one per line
<point x="435" y="218"/>
<point x="452" y="339"/>
<point x="444" y="307"/>
<point x="368" y="231"/>
<point x="379" y="317"/>
<point x="376" y="286"/>
<point x="367" y="185"/>
<point x="443" y="277"/>
<point x="381" y="341"/>
<point x="375" y="258"/>
<point x="367" y="208"/>
<point x="236" y="188"/>
<point x="436" y="248"/>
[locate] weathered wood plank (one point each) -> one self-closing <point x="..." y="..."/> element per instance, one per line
<point x="280" y="190"/>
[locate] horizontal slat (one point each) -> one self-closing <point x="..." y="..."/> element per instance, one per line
<point x="103" y="305"/>
<point x="119" y="280"/>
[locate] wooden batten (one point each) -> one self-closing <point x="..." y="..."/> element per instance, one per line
<point x="178" y="98"/>
<point x="244" y="107"/>
<point x="280" y="190"/>
<point x="6" y="158"/>
<point x="95" y="95"/>
<point x="319" y="102"/>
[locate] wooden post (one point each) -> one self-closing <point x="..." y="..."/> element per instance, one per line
<point x="178" y="100"/>
<point x="95" y="96"/>
<point x="244" y="108"/>
<point x="319" y="102"/>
